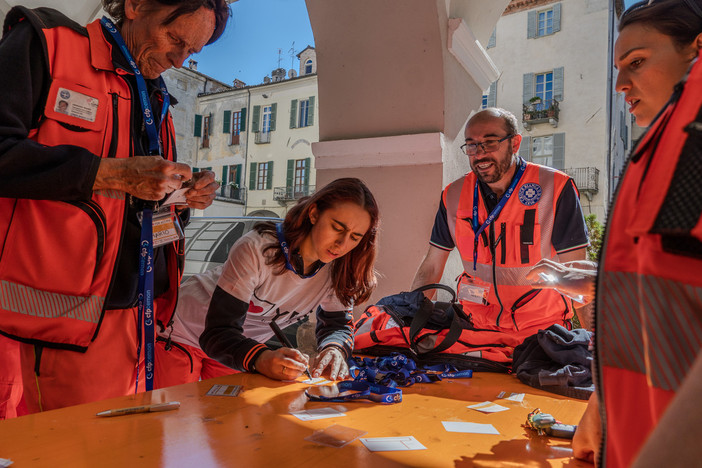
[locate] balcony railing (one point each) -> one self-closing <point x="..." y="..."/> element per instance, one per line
<point x="292" y="193"/>
<point x="262" y="137"/>
<point x="586" y="179"/>
<point x="230" y="193"/>
<point x="540" y="112"/>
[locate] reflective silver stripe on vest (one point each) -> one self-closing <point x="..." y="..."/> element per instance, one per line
<point x="453" y="196"/>
<point x="661" y="339"/>
<point x="110" y="193"/>
<point x="546" y="209"/>
<point x="29" y="301"/>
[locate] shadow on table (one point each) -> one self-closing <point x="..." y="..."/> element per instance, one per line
<point x="534" y="452"/>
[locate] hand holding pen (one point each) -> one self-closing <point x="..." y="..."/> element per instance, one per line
<point x="286" y="342"/>
<point x="284" y="363"/>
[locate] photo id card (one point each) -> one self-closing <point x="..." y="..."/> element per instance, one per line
<point x="473" y="290"/>
<point x="166" y="228"/>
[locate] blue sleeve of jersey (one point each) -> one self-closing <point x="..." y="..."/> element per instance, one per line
<point x="440" y="233"/>
<point x="569" y="231"/>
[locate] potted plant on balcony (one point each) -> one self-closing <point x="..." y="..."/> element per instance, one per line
<point x="551" y="111"/>
<point x="527" y="112"/>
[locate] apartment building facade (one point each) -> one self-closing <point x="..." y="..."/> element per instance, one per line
<point x="556" y="73"/>
<point x="257" y="139"/>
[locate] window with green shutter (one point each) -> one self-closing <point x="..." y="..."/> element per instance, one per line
<point x="269" y="179"/>
<point x="252" y="176"/>
<point x="293" y="113"/>
<point x="310" y="121"/>
<point x="274" y="112"/>
<point x="242" y="126"/>
<point x="290" y="174"/>
<point x="255" y="118"/>
<point x="226" y="121"/>
<point x="198" y="126"/>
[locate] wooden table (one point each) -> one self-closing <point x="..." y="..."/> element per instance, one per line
<point x="255" y="429"/>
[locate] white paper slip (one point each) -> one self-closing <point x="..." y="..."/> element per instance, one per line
<point x="469" y="427"/>
<point x="392" y="444"/>
<point x="176" y="197"/>
<point x="317" y="413"/>
<point x="316" y="381"/>
<point x="518" y="397"/>
<point x="5" y="462"/>
<point x="488" y="407"/>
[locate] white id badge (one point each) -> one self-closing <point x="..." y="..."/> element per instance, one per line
<point x="166" y="228"/>
<point x="473" y="290"/>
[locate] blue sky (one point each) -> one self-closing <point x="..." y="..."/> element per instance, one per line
<point x="248" y="49"/>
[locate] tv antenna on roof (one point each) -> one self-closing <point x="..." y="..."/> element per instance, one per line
<point x="292" y="55"/>
<point x="280" y="56"/>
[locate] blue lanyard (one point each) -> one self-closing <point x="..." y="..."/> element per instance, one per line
<point x="146" y="254"/>
<point x="286" y="253"/>
<point x="495" y="212"/>
<point x="146" y="300"/>
<point x="350" y="390"/>
<point x="151" y="129"/>
<point x="397" y="370"/>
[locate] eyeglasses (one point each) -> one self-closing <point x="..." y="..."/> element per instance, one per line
<point x="471" y="149"/>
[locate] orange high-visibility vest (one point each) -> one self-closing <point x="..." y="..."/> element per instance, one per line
<point x="522" y="232"/>
<point x="57" y="258"/>
<point x="649" y="293"/>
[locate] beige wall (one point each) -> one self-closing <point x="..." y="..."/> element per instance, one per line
<point x="397" y="80"/>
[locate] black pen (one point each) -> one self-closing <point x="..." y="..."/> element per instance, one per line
<point x="285" y="341"/>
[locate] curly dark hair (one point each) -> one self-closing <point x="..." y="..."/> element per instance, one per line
<point x="115" y="8"/>
<point x="679" y="19"/>
<point x="353" y="275"/>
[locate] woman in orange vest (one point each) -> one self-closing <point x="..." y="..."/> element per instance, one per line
<point x="648" y="338"/>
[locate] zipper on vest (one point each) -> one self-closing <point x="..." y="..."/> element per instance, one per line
<point x="114" y="272"/>
<point x="112" y="152"/>
<point x="96" y="214"/>
<point x="172" y="344"/>
<point x="521" y="302"/>
<point x="493" y="248"/>
<point x="503" y="240"/>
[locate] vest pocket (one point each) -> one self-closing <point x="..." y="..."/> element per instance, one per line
<point x="525" y="248"/>
<point x="55" y="246"/>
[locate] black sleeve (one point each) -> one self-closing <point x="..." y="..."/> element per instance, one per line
<point x="223" y="338"/>
<point x="440" y="233"/>
<point x="28" y="169"/>
<point x="335" y="329"/>
<point x="569" y="231"/>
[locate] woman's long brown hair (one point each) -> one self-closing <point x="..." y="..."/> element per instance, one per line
<point x="353" y="275"/>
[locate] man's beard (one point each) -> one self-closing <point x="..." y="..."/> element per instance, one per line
<point x="501" y="165"/>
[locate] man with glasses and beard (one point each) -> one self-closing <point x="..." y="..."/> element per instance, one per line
<point x="504" y="216"/>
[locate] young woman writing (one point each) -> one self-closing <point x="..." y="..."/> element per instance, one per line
<point x="319" y="259"/>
